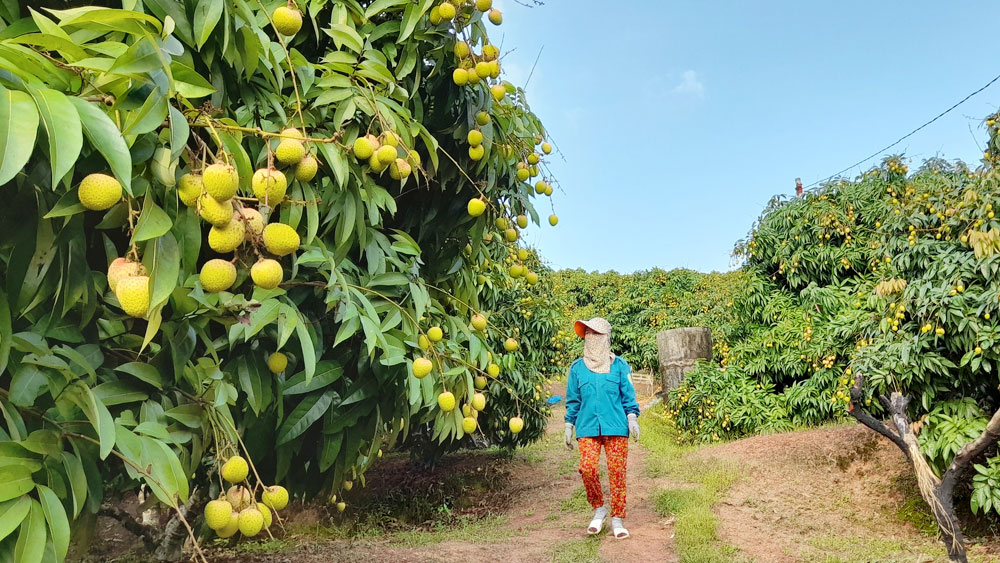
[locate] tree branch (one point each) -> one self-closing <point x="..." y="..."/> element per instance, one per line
<point x="862" y="416"/>
<point x="130" y="524"/>
<point x="970" y="451"/>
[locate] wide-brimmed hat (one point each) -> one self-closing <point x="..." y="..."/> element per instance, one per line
<point x="596" y="324"/>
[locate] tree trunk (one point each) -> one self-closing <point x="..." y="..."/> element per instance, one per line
<point x="171" y="542"/>
<point x="937" y="493"/>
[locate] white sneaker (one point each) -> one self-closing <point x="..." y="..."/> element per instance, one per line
<point x="597" y="524"/>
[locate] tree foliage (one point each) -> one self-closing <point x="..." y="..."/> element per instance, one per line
<point x="94" y="398"/>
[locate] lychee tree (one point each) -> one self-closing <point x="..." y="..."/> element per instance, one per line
<point x="238" y="225"/>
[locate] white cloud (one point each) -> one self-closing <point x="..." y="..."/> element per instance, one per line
<point x="691" y="85"/>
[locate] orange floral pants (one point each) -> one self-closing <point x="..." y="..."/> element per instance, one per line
<point x="616" y="452"/>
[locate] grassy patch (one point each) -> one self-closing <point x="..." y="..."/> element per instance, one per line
<point x="695" y="525"/>
<point x="577" y="502"/>
<point x="847" y="549"/>
<point x="263" y="547"/>
<point x="491" y="529"/>
<point x="578" y="551"/>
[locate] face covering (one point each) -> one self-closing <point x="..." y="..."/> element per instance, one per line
<point x="597" y="352"/>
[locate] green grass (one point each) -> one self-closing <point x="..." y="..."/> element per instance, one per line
<point x="491" y="529"/>
<point x="695" y="525"/>
<point x="577" y="502"/>
<point x="578" y="551"/>
<point x="846" y="549"/>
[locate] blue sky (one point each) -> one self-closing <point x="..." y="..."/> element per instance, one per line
<point x="677" y="121"/>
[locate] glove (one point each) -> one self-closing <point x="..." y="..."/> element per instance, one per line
<point x="633" y="426"/>
<point x="569" y="436"/>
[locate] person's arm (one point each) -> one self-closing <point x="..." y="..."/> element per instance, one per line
<point x="628" y="391"/>
<point x="572" y="397"/>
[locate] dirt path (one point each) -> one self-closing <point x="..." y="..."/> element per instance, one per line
<point x="546" y="521"/>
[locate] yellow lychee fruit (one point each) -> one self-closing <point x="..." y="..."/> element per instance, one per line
<point x="484" y="5"/>
<point x="277" y="362"/>
<point x="235" y="469"/>
<point x="522" y="253"/>
<point x="510" y="234"/>
<point x="267" y="273"/>
<point x="220" y="180"/>
<point x="218" y="213"/>
<point x="479" y="322"/>
<point x="516" y="270"/>
<point x="546" y="148"/>
<point x="516" y="424"/>
<point x="217" y="513"/>
<point x="413" y="157"/>
<point x="231" y="527"/>
<point x="251" y="521"/>
<point x="377" y="165"/>
<point x="99" y="192"/>
<point x="493" y="370"/>
<point x="460" y="76"/>
<point x="476" y="207"/>
<point x="307" y="169"/>
<point x="280" y="239"/>
<point x="469" y="425"/>
<point x="446" y="401"/>
<point x="287" y="21"/>
<point x="522" y="221"/>
<point x="341" y="506"/>
<point x="446" y="11"/>
<point x="476" y="153"/>
<point x="533" y="158"/>
<point x="386" y="154"/>
<point x="510" y="345"/>
<point x="275" y="497"/>
<point x="475" y="137"/>
<point x="435" y="333"/>
<point x="363" y="149"/>
<point x="266" y="513"/>
<point x="399" y="169"/>
<point x="553" y="220"/>
<point x="290" y="151"/>
<point x="462" y="49"/>
<point x="496" y="18"/>
<point x="423" y="343"/>
<point x="348" y="485"/>
<point x="422" y="367"/>
<point x="473" y="77"/>
<point x="434" y="15"/>
<point x="217" y="275"/>
<point x="133" y="295"/>
<point x="190" y="188"/>
<point x="498" y="92"/>
<point x="531" y="277"/>
<point x="540" y="187"/>
<point x="479" y="401"/>
<point x="292" y="133"/>
<point x="252" y="220"/>
<point x="269" y="186"/>
<point x="121" y="268"/>
<point x="479" y="382"/>
<point x="239" y="497"/>
<point x="389" y="138"/>
<point x="228" y="238"/>
<point x="482" y="118"/>
<point x="483" y="69"/>
<point x="491" y="52"/>
<point x="548" y="189"/>
<point x="494" y="69"/>
<point x="523" y="174"/>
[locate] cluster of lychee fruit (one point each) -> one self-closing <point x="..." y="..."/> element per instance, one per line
<point x="386" y="151"/>
<point x="449" y="10"/>
<point x="236" y="510"/>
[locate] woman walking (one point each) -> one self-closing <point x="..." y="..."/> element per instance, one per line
<point x="601" y="407"/>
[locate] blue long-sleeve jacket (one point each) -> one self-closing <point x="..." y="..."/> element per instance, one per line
<point x="598" y="403"/>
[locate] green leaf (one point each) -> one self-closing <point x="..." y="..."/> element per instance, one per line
<point x="26" y="385"/>
<point x="113" y="393"/>
<point x="12" y="513"/>
<point x="345" y="36"/>
<point x="77" y="481"/>
<point x="179" y="131"/>
<point x="55" y="515"/>
<point x="144" y="372"/>
<point x="189" y="83"/>
<point x="63" y="128"/>
<point x="149" y="117"/>
<point x="167" y="468"/>
<point x="266" y="314"/>
<point x="97" y="414"/>
<point x="166" y="268"/>
<point x="308" y="349"/>
<point x="30" y="546"/>
<point x="251" y="382"/>
<point x="414" y="12"/>
<point x="206" y="16"/>
<point x="308" y="411"/>
<point x="68" y="204"/>
<point x="326" y="373"/>
<point x="188" y="414"/>
<point x="6" y="331"/>
<point x="14" y="454"/>
<point x="43" y="442"/>
<point x="379" y="6"/>
<point x="153" y="222"/>
<point x="18" y="127"/>
<point x="15" y="480"/>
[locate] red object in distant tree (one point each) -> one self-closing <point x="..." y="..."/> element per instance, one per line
<point x="798" y="186"/>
